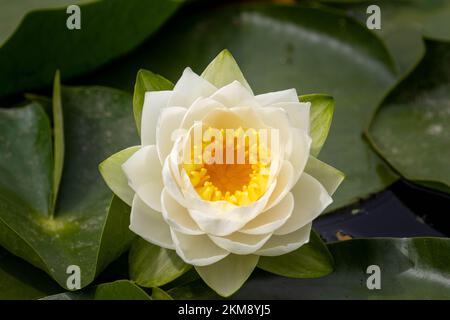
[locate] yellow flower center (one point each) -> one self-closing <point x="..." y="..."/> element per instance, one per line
<point x="239" y="182"/>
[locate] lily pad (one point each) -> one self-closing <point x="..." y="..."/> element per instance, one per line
<point x="89" y="227"/>
<point x="403" y="25"/>
<point x="29" y="56"/>
<point x="411" y="129"/>
<point x="414" y="268"/>
<point x="279" y="47"/>
<point x="20" y="280"/>
<point x="117" y="290"/>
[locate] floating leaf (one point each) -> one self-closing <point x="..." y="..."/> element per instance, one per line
<point x="117" y="290"/>
<point x="29" y="56"/>
<point x="411" y="129"/>
<point x="89" y="227"/>
<point x="410" y="268"/>
<point x="403" y="25"/>
<point x="195" y="290"/>
<point x="20" y="280"/>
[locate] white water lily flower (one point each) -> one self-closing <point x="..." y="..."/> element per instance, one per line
<point x="221" y="218"/>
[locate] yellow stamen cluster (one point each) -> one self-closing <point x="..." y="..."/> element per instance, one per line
<point x="237" y="183"/>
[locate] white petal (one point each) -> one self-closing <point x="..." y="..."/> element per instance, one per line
<point x="270" y="98"/>
<point x="311" y="199"/>
<point x="298" y="113"/>
<point x="284" y="183"/>
<point x="250" y="117"/>
<point x="221" y="218"/>
<point x="241" y="243"/>
<point x="278" y="245"/>
<point x="221" y="118"/>
<point x="197" y="250"/>
<point x="154" y="102"/>
<point x="327" y="175"/>
<point x="190" y="87"/>
<point x="143" y="171"/>
<point x="170" y="183"/>
<point x="229" y="274"/>
<point x="272" y="219"/>
<point x="169" y="121"/>
<point x="198" y="110"/>
<point x="234" y="95"/>
<point x="177" y="216"/>
<point x="278" y="118"/>
<point x="301" y="142"/>
<point x="149" y="224"/>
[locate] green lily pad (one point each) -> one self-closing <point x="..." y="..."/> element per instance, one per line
<point x="120" y="290"/>
<point x="403" y="25"/>
<point x="411" y="129"/>
<point x="194" y="290"/>
<point x="280" y="47"/>
<point x="89" y="227"/>
<point x="117" y="290"/>
<point x="408" y="268"/>
<point x="21" y="281"/>
<point x="29" y="56"/>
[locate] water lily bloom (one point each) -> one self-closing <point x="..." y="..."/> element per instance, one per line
<point x="247" y="187"/>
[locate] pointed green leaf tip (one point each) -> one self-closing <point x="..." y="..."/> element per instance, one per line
<point x="153" y="266"/>
<point x="224" y="70"/>
<point x="146" y="81"/>
<point x="312" y="260"/>
<point x="58" y="140"/>
<point x="321" y="114"/>
<point x="327" y="175"/>
<point x="112" y="173"/>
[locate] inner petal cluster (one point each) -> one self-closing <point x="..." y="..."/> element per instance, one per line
<point x="235" y="168"/>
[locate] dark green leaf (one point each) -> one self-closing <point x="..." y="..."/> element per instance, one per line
<point x="410" y="268"/>
<point x="89" y="227"/>
<point x="117" y="290"/>
<point x="195" y="290"/>
<point x="403" y="24"/>
<point x="411" y="130"/>
<point x="34" y="39"/>
<point x="20" y="280"/>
